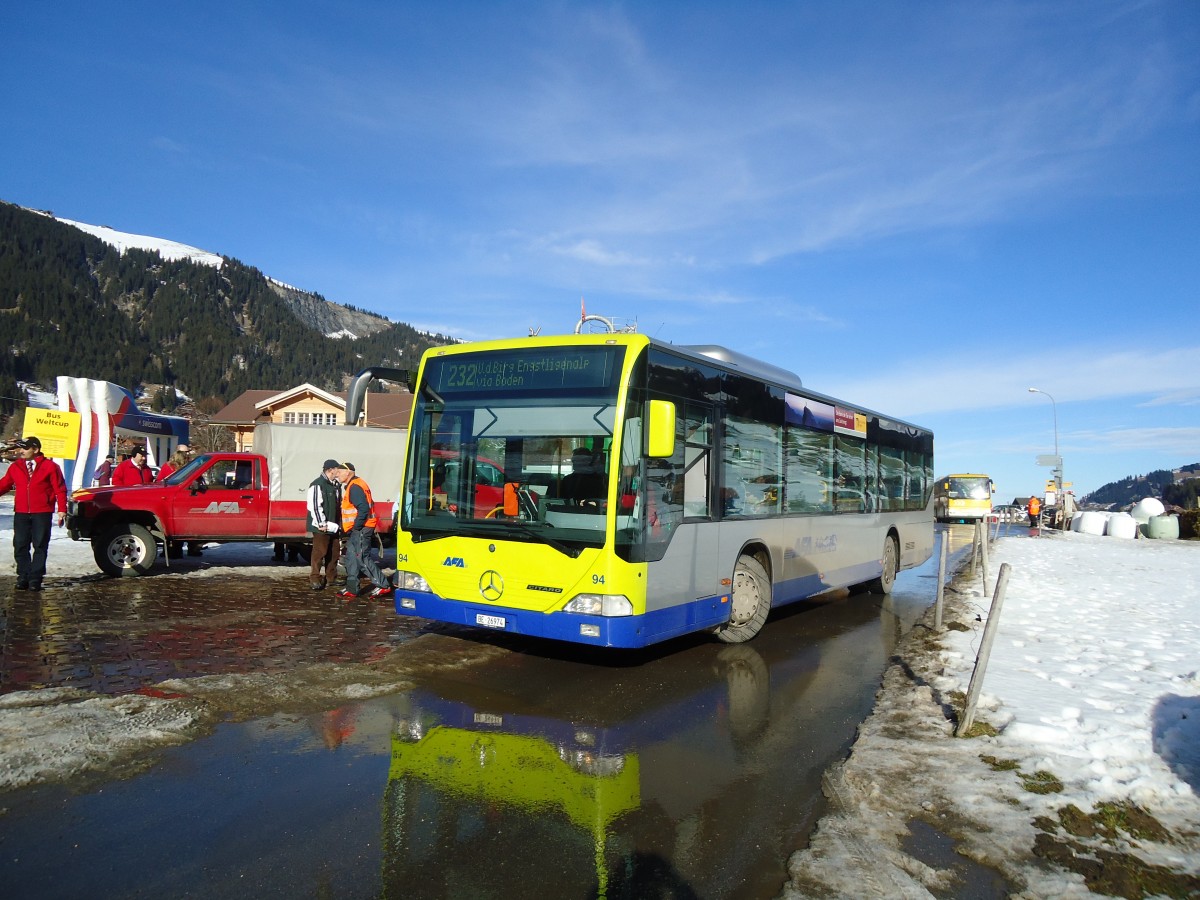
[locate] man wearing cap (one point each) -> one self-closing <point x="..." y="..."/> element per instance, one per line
<point x="103" y="473"/>
<point x="133" y="470"/>
<point x="38" y="487"/>
<point x="324" y="524"/>
<point x="358" y="523"/>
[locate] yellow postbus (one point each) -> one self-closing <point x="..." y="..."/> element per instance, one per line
<point x="648" y="490"/>
<point x="962" y="498"/>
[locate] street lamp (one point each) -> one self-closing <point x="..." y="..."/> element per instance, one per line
<point x="1058" y="473"/>
<point x="1055" y="409"/>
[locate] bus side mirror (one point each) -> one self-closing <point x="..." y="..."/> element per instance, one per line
<point x="660" y="440"/>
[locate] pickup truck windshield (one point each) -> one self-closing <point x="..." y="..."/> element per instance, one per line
<point x="515" y="444"/>
<point x="179" y="476"/>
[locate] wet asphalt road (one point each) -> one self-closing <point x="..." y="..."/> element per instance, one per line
<point x="688" y="770"/>
<point x="113" y="635"/>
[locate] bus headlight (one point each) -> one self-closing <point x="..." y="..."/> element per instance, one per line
<point x="410" y="731"/>
<point x="600" y="605"/>
<point x="411" y="581"/>
<point x="588" y="762"/>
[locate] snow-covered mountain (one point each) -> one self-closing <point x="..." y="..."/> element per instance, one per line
<point x="123" y="241"/>
<point x="332" y="319"/>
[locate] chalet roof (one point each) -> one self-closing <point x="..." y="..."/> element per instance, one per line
<point x="252" y="407"/>
<point x="301" y="390"/>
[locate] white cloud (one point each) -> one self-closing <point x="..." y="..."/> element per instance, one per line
<point x="593" y="251"/>
<point x="945" y="384"/>
<point x="1183" y="440"/>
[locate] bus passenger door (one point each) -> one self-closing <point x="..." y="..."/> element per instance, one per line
<point x="702" y="531"/>
<point x="692" y="559"/>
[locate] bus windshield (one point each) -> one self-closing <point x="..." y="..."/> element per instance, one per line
<point x="516" y="444"/>
<point x="969" y="487"/>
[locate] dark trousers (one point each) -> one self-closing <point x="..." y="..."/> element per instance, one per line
<point x="324" y="557"/>
<point x="359" y="561"/>
<point x="31" y="530"/>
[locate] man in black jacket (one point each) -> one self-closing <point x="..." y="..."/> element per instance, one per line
<point x="324" y="524"/>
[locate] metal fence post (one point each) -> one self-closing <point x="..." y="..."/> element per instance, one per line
<point x="941" y="588"/>
<point x="983" y="543"/>
<point x="985" y="651"/>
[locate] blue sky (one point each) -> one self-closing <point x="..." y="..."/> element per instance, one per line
<point x="922" y="208"/>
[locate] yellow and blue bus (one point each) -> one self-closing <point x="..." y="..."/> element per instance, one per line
<point x="962" y="498"/>
<point x="648" y="490"/>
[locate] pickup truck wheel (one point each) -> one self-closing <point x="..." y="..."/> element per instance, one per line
<point x="125" y="550"/>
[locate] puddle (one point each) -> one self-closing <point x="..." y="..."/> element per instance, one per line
<point x="972" y="881"/>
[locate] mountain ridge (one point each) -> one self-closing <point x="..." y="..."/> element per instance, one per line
<point x="330" y="318"/>
<point x="72" y="303"/>
<point x="1177" y="487"/>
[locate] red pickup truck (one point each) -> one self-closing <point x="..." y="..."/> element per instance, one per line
<point x="226" y="497"/>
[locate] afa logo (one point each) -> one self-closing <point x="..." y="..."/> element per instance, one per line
<point x="224" y="506"/>
<point x="457" y="561"/>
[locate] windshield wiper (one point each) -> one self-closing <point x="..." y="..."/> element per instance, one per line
<point x="510" y="528"/>
<point x="427" y="534"/>
<point x="528" y="533"/>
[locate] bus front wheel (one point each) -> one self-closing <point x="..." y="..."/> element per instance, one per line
<point x="750" y="601"/>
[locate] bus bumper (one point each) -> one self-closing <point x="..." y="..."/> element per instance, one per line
<point x="597" y="631"/>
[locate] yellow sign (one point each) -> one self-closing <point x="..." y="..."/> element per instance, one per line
<point x="58" y="431"/>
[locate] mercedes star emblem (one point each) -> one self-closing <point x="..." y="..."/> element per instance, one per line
<point x="491" y="585"/>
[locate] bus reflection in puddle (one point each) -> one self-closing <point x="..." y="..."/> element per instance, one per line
<point x="473" y="810"/>
<point x="694" y="773"/>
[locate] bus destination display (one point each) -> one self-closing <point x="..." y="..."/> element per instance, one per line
<point x="551" y="369"/>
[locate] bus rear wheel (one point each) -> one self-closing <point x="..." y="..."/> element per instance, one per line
<point x="750" y="601"/>
<point x="891" y="565"/>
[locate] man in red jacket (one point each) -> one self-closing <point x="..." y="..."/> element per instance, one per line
<point x="133" y="470"/>
<point x="38" y="486"/>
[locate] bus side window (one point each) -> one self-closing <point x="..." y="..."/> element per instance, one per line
<point x="808" y="470"/>
<point x="752" y="466"/>
<point x="892" y="473"/>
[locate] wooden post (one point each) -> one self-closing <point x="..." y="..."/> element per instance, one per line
<point x="941" y="588"/>
<point x="985" y="651"/>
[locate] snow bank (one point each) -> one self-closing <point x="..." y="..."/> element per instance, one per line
<point x="1092" y="683"/>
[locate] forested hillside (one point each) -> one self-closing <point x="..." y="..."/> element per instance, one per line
<point x="72" y="305"/>
<point x="1160" y="484"/>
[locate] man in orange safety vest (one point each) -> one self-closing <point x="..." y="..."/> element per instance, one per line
<point x="358" y="525"/>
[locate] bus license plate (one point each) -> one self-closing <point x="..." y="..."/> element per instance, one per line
<point x="489" y="621"/>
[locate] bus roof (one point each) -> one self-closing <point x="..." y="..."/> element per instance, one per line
<point x="732" y="361"/>
<point x="703" y="354"/>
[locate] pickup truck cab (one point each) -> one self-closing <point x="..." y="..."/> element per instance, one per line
<point x="242" y="496"/>
<point x="219" y="497"/>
